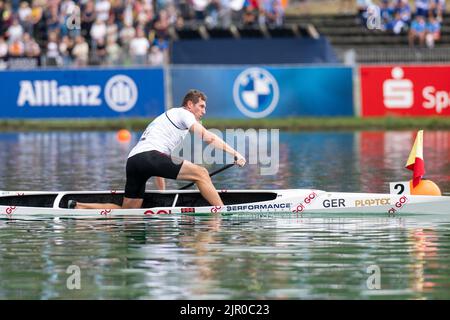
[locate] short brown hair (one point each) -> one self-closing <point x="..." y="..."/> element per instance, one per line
<point x="194" y="96"/>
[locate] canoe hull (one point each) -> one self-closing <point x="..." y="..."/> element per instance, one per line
<point x="187" y="202"/>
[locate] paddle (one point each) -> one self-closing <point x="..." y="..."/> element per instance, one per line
<point x="211" y="174"/>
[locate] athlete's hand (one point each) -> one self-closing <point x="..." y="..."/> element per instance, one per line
<point x="239" y="159"/>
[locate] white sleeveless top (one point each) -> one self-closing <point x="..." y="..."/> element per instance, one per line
<point x="165" y="132"/>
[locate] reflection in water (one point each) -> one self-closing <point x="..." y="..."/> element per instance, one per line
<point x="358" y="162"/>
<point x="225" y="257"/>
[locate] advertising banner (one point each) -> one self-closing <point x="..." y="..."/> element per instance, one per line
<point x="85" y="93"/>
<point x="405" y="90"/>
<point x="260" y="92"/>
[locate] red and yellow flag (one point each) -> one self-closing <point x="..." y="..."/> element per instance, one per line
<point x="415" y="161"/>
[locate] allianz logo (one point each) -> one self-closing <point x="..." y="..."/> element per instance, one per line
<point x="120" y="94"/>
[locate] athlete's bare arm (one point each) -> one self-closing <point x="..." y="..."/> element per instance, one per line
<point x="216" y="141"/>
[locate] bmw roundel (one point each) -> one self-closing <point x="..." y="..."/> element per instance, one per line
<point x="256" y="92"/>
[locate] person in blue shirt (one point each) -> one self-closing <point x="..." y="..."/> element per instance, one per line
<point x="423" y="7"/>
<point x="404" y="9"/>
<point x="396" y="25"/>
<point x="433" y="31"/>
<point x="417" y="31"/>
<point x="386" y="11"/>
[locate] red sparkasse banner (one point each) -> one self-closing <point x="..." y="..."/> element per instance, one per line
<point x="398" y="90"/>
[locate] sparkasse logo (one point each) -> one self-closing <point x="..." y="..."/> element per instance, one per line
<point x="398" y="92"/>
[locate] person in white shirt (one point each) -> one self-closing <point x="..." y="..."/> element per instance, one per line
<point x="139" y="48"/>
<point x="102" y="8"/>
<point x="98" y="31"/>
<point x="151" y="157"/>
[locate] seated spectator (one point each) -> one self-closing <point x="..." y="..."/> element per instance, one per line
<point x="200" y="9"/>
<point x="386" y="12"/>
<point x="112" y="29"/>
<point x="3" y="48"/>
<point x="32" y="49"/>
<point x="161" y="42"/>
<point x="65" y="50"/>
<point x="250" y="15"/>
<point x="422" y="7"/>
<point x="80" y="51"/>
<point x="52" y="18"/>
<point x="126" y="35"/>
<point x="397" y="25"/>
<point x="237" y="7"/>
<point x="162" y="23"/>
<point x="273" y="12"/>
<point x="113" y="52"/>
<point x="417" y="31"/>
<point x="100" y="52"/>
<point x="173" y="13"/>
<point x="98" y="32"/>
<point x="3" y="53"/>
<point x="433" y="32"/>
<point x="437" y="9"/>
<point x="53" y="57"/>
<point x="139" y="47"/>
<point x="2" y="19"/>
<point x="16" y="48"/>
<point x="404" y="9"/>
<point x="37" y="20"/>
<point x="212" y="13"/>
<point x="128" y="13"/>
<point x="102" y="8"/>
<point x="88" y="17"/>
<point x="225" y="13"/>
<point x="156" y="56"/>
<point x="15" y="31"/>
<point x="117" y="11"/>
<point x="24" y="15"/>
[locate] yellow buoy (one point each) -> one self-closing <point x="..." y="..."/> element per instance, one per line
<point x="425" y="188"/>
<point x="123" y="135"/>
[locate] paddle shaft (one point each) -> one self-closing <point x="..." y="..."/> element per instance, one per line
<point x="211" y="174"/>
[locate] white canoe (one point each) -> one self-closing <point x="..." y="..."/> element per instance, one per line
<point x="190" y="202"/>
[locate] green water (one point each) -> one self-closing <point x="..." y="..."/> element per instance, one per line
<point x="230" y="257"/>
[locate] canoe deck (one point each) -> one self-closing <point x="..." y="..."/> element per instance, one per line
<point x="151" y="199"/>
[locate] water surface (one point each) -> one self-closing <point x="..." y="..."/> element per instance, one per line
<point x="226" y="257"/>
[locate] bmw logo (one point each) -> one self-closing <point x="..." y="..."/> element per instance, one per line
<point x="256" y="92"/>
<point x="121" y="93"/>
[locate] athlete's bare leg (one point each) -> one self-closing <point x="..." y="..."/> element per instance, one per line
<point x="160" y="183"/>
<point x="200" y="176"/>
<point x="84" y="205"/>
<point x="128" y="203"/>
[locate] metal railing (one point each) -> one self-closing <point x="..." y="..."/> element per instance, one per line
<point x="393" y="55"/>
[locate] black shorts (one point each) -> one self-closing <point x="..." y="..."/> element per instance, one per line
<point x="143" y="166"/>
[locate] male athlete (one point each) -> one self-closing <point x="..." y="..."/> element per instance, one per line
<point x="151" y="156"/>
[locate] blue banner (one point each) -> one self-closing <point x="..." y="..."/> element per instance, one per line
<point x="260" y="92"/>
<point x="85" y="93"/>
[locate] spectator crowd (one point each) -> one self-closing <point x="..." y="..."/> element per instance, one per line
<point x="115" y="32"/>
<point x="423" y="25"/>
